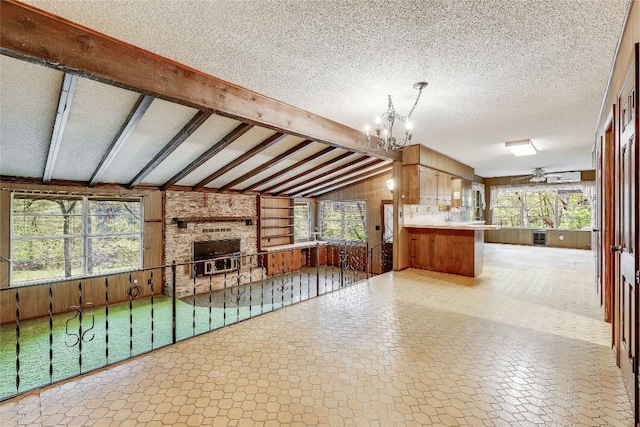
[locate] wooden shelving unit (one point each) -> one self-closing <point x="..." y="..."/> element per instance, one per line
<point x="275" y="221"/>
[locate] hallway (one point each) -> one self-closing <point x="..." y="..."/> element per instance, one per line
<point x="521" y="345"/>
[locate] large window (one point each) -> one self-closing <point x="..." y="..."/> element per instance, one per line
<point x="301" y="221"/>
<point x="66" y="237"/>
<point x="566" y="208"/>
<point x="344" y="220"/>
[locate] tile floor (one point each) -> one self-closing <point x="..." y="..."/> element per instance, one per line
<point x="521" y="345"/>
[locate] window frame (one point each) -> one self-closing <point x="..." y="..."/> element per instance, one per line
<point x="85" y="235"/>
<point x="343" y="221"/>
<point x="308" y="220"/>
<point x="556" y="205"/>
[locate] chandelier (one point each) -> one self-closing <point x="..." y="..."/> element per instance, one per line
<point x="385" y="139"/>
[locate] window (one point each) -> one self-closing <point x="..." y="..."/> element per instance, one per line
<point x="344" y="220"/>
<point x="56" y="237"/>
<point x="301" y="221"/>
<point x="566" y="208"/>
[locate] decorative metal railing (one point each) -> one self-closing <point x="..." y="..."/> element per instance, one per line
<point x="61" y="330"/>
<point x="381" y="257"/>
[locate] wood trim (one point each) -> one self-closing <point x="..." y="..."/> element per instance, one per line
<point x="332" y="183"/>
<point x="286" y="191"/>
<point x="289" y="168"/>
<point x="240" y="130"/>
<point x="37" y="36"/>
<point x="273" y="139"/>
<point x="267" y="165"/>
<point x="196" y="121"/>
<point x="308" y="171"/>
<point x="137" y="112"/>
<point x="354" y="180"/>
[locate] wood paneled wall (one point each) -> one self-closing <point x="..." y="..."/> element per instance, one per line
<point x="34" y="301"/>
<point x="575" y="239"/>
<point x="374" y="191"/>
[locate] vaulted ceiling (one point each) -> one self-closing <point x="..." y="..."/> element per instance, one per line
<point x="497" y="71"/>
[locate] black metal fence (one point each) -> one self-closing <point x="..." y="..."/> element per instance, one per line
<point x="61" y="330"/>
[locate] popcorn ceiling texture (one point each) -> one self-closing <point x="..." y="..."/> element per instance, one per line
<point x="497" y="70"/>
<point x="179" y="241"/>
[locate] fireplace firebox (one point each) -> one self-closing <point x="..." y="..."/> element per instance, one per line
<point x="216" y="256"/>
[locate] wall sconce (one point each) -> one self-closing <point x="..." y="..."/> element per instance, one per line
<point x="523" y="147"/>
<point x="391" y="185"/>
<point x="181" y="223"/>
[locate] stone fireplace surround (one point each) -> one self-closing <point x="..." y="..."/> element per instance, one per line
<point x="179" y="241"/>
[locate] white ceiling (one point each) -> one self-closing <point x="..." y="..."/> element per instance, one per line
<point x="497" y="70"/>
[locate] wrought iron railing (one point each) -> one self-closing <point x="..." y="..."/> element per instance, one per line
<point x="61" y="330"/>
<point x="381" y="257"/>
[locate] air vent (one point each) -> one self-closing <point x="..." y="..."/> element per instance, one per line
<point x="217" y="230"/>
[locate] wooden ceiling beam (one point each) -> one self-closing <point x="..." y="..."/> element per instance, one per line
<point x="266" y="165"/>
<point x="364" y="176"/>
<point x="273" y="139"/>
<point x="196" y="121"/>
<point x="37" y="36"/>
<point x="307" y="172"/>
<point x="137" y="112"/>
<point x="335" y="180"/>
<point x="311" y="180"/>
<point x="64" y="105"/>
<point x="236" y="133"/>
<point x="288" y="169"/>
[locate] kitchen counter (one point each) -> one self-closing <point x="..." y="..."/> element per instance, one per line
<point x="455" y="248"/>
<point x="454" y="226"/>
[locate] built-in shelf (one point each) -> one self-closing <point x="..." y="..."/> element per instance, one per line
<point x="275" y="226"/>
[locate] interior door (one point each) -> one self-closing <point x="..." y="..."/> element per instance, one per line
<point x="627" y="292"/>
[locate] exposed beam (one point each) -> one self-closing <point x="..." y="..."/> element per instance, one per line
<point x="196" y="121"/>
<point x="315" y="178"/>
<point x="289" y="168"/>
<point x="266" y="165"/>
<point x="362" y="178"/>
<point x="240" y="130"/>
<point x="138" y="110"/>
<point x="308" y="171"/>
<point x="64" y="105"/>
<point x="35" y="35"/>
<point x="246" y="156"/>
<point x="335" y="179"/>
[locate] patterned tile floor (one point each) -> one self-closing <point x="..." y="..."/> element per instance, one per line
<point x="521" y="345"/>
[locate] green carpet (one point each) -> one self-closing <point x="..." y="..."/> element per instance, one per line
<point x="124" y="342"/>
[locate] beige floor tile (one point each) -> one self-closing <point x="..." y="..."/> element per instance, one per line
<point x="521" y="345"/>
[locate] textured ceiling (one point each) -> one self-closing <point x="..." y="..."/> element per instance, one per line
<point x="497" y="70"/>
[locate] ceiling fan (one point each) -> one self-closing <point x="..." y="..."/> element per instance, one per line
<point x="539" y="175"/>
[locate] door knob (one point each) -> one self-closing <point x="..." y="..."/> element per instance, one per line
<point x="617" y="248"/>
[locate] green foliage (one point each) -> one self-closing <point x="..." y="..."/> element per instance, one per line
<point x="49" y="235"/>
<point x="537" y="209"/>
<point x="301" y="221"/>
<point x="344" y="220"/>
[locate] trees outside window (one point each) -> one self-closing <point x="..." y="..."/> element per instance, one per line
<point x="55" y="237"/>
<point x="301" y="221"/>
<point x="344" y="220"/>
<point x="547" y="208"/>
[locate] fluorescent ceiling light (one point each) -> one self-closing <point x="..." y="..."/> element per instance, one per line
<point x="523" y="147"/>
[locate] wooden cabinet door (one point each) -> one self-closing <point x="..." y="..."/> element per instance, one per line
<point x="422" y="250"/>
